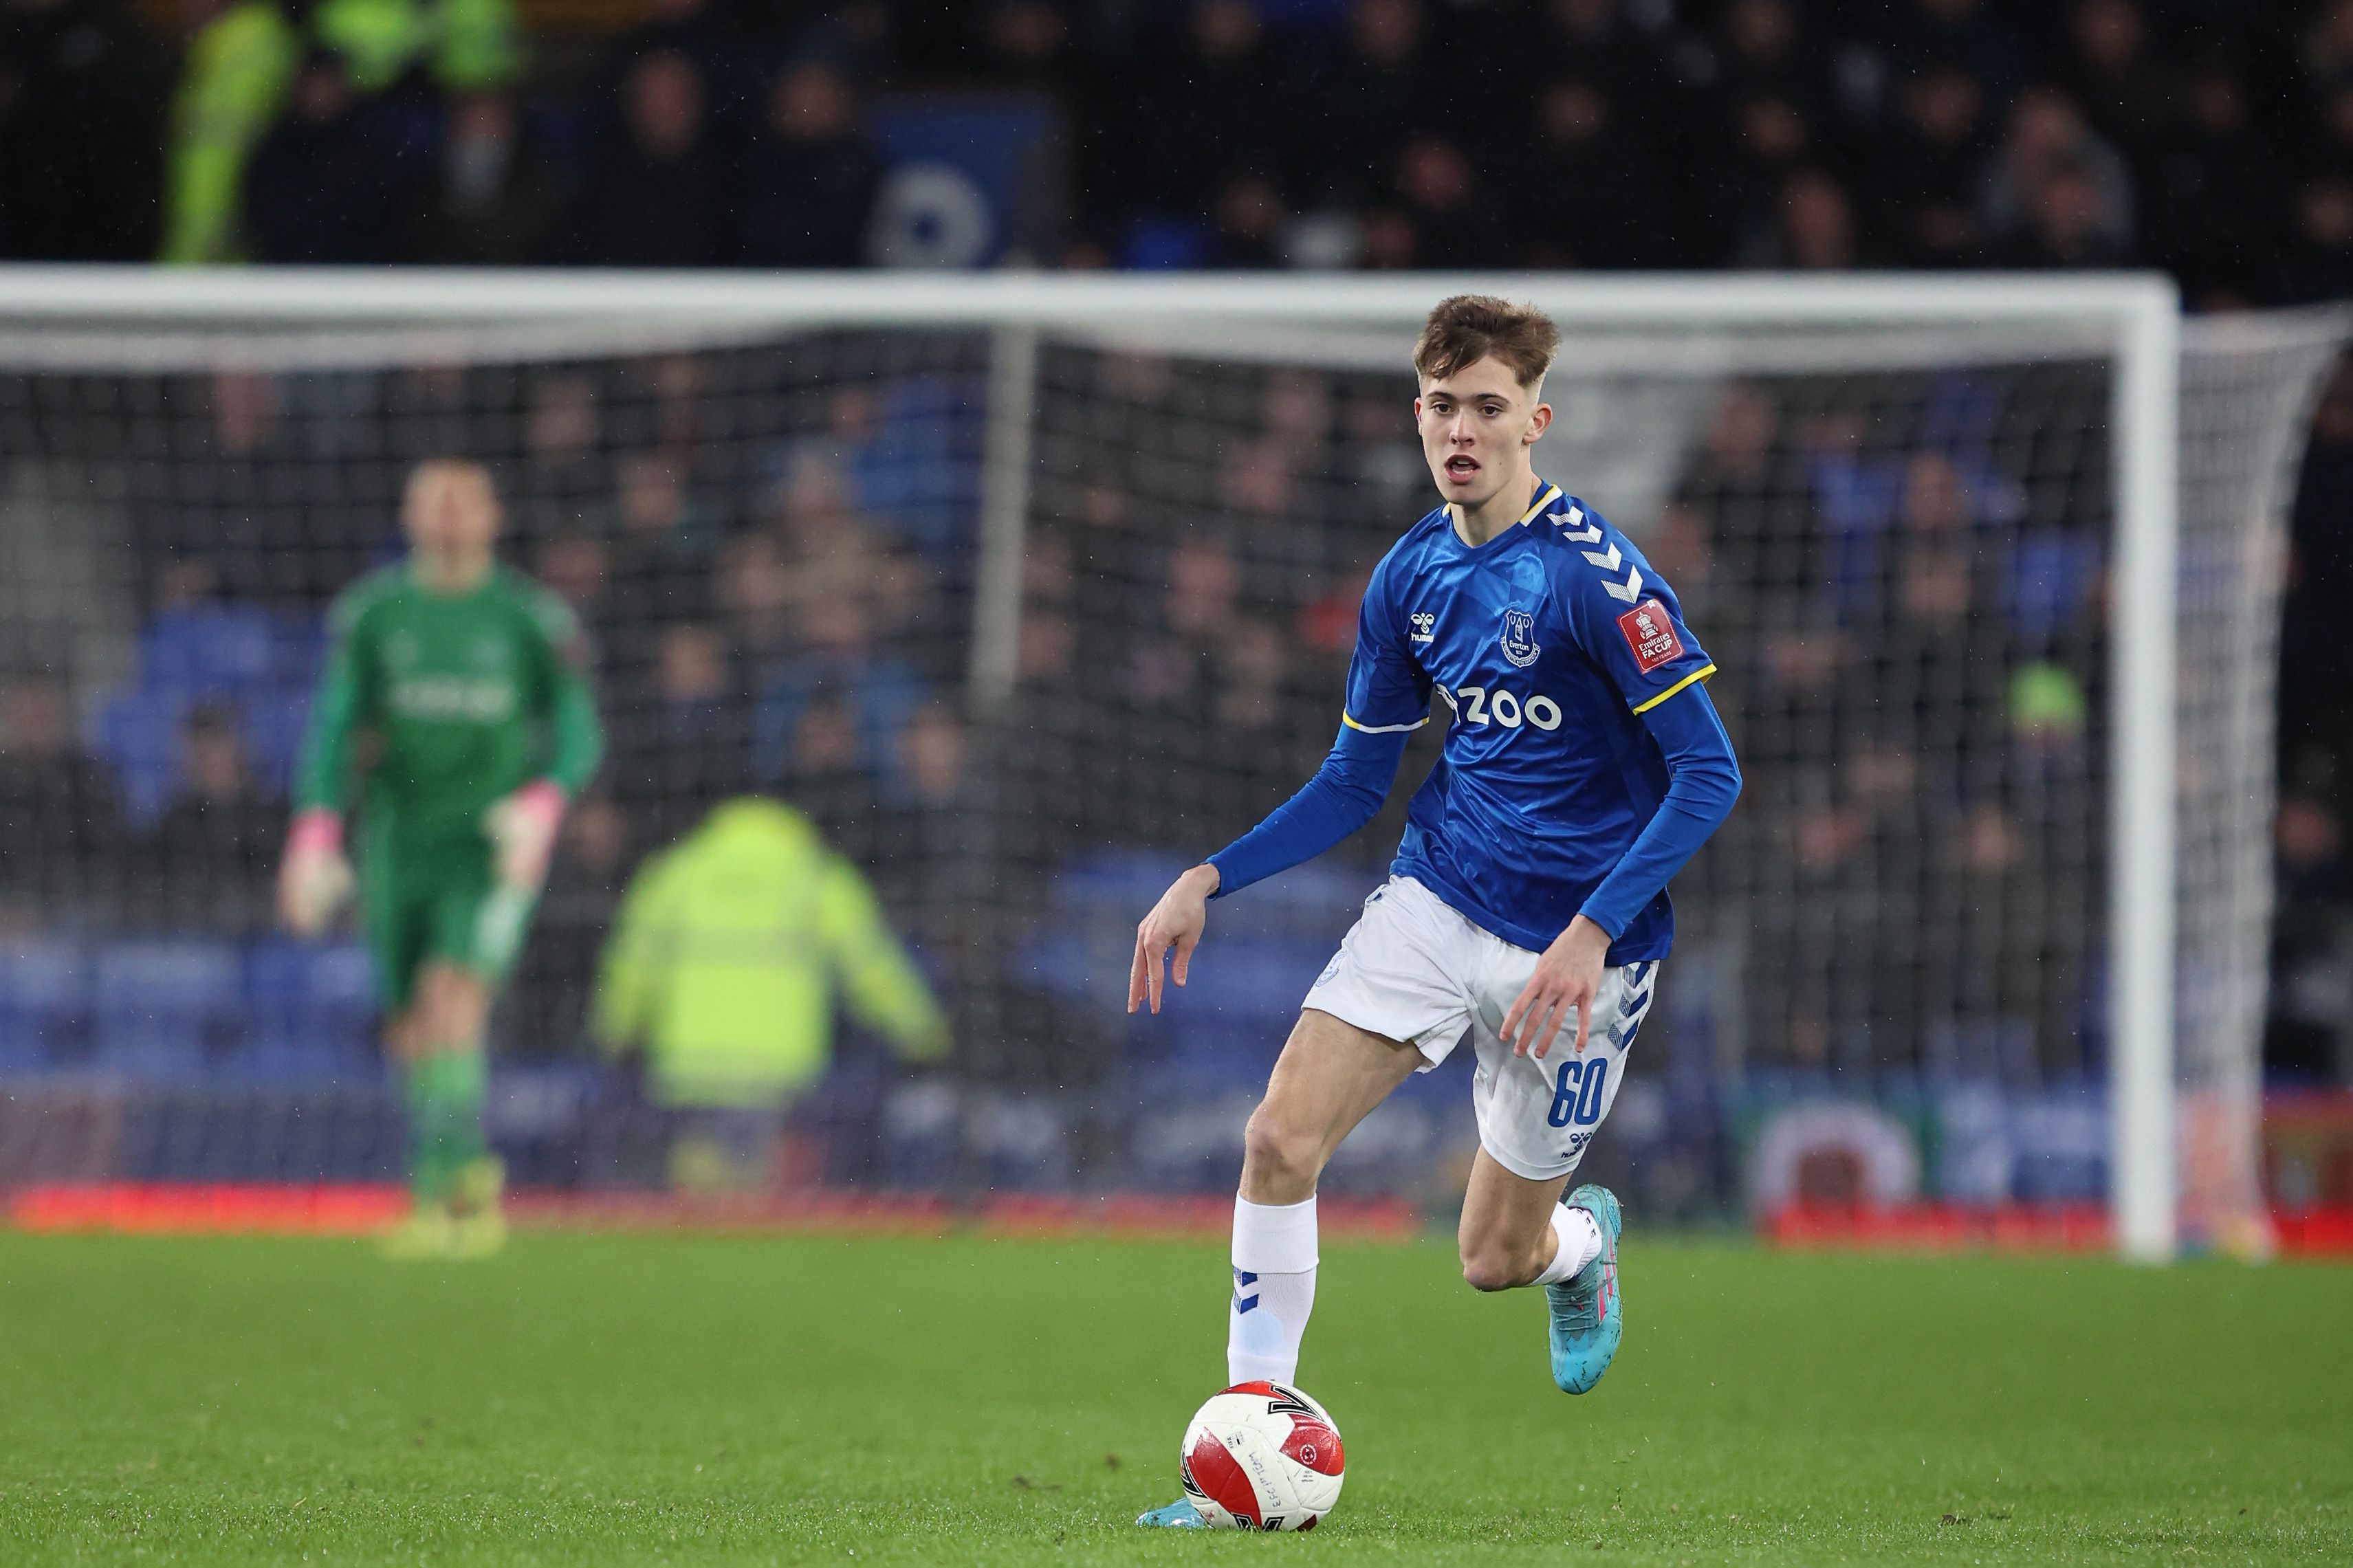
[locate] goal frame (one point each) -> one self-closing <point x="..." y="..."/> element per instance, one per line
<point x="2136" y="315"/>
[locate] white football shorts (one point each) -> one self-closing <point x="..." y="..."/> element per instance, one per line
<point x="1414" y="969"/>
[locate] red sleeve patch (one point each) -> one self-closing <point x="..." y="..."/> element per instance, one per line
<point x="1650" y="633"/>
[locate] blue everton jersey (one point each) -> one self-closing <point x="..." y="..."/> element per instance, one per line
<point x="1547" y="643"/>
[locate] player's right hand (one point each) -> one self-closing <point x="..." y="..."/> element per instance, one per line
<point x="1177" y="920"/>
<point x="315" y="878"/>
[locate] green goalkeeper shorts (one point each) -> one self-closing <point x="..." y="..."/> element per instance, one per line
<point x="443" y="902"/>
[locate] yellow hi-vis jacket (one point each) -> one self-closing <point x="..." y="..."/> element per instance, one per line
<point x="725" y="955"/>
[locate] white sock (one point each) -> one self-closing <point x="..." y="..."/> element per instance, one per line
<point x="1578" y="1243"/>
<point x="1274" y="1290"/>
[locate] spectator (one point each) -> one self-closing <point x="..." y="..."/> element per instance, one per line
<point x="1221" y="73"/>
<point x="579" y="569"/>
<point x="1248" y="217"/>
<point x="928" y="867"/>
<point x="655" y="192"/>
<point x="1604" y="200"/>
<point x="1814" y="228"/>
<point x="1455" y="223"/>
<point x="824" y="775"/>
<point x="663" y="549"/>
<point x="2318" y="263"/>
<point x="496" y="203"/>
<point x="811" y="178"/>
<point x="838" y="662"/>
<point x="1924" y="168"/>
<point x="2131" y="95"/>
<point x="464" y="45"/>
<point x="2069" y="226"/>
<point x="215" y="850"/>
<point x="1025" y="46"/>
<point x="2047" y="139"/>
<point x="2315" y="656"/>
<point x="1922" y="33"/>
<point x="679" y="749"/>
<point x="80" y="93"/>
<point x="1762" y="51"/>
<point x="242" y="59"/>
<point x="328" y="184"/>
<point x="1597" y="41"/>
<point x="241" y="56"/>
<point x="2215" y="193"/>
<point x="1375" y="90"/>
<point x="1767" y="139"/>
<point x="60" y="825"/>
<point x="2311" y="1022"/>
<point x="715" y="37"/>
<point x="566" y="479"/>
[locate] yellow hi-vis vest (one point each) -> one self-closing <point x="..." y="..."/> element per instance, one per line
<point x="726" y="954"/>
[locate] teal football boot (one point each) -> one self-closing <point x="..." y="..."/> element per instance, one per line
<point x="1588" y="1317"/>
<point x="1178" y="1515"/>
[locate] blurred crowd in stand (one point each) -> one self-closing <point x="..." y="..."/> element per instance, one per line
<point x="2208" y="137"/>
<point x="773" y="552"/>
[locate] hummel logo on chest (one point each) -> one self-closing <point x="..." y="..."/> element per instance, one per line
<point x="1425" y="626"/>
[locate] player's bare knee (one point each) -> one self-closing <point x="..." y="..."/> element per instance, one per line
<point x="400" y="1035"/>
<point x="450" y="1009"/>
<point x="1280" y="1153"/>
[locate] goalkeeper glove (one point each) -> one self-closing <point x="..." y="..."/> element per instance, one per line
<point x="521" y="829"/>
<point x="315" y="878"/>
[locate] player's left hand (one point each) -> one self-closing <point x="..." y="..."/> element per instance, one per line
<point x="1567" y="978"/>
<point x="522" y="828"/>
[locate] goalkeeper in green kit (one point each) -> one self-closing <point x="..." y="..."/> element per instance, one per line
<point x="455" y="713"/>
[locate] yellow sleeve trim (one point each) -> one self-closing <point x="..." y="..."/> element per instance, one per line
<point x="1678" y="686"/>
<point x="1387" y="729"/>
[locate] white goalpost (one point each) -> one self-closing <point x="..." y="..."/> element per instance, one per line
<point x="1785" y="434"/>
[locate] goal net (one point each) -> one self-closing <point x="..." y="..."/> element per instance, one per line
<point x="1029" y="592"/>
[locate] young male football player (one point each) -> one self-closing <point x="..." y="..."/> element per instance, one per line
<point x="455" y="713"/>
<point x="1583" y="765"/>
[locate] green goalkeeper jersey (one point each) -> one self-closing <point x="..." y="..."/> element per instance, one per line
<point x="434" y="706"/>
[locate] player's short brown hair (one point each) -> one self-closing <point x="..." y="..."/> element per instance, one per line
<point x="1467" y="328"/>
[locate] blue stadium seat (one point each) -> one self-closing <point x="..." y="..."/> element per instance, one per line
<point x="261" y="664"/>
<point x="218" y="650"/>
<point x="43" y="999"/>
<point x="162" y="1010"/>
<point x="310" y="1008"/>
<point x="1160" y="243"/>
<point x="138" y="736"/>
<point x="274" y="718"/>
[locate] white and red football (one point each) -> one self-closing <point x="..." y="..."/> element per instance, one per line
<point x="1262" y="1456"/>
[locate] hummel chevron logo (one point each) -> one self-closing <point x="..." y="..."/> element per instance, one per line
<point x="1627" y="591"/>
<point x="1610" y="561"/>
<point x="1577" y="529"/>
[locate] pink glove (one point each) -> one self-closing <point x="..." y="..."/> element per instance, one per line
<point x="315" y="878"/>
<point x="522" y="828"/>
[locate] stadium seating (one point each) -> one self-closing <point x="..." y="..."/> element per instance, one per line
<point x="44" y="1003"/>
<point x="256" y="662"/>
<point x="310" y="1014"/>
<point x="164" y="1010"/>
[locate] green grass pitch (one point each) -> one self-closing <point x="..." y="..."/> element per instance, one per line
<point x="742" y="1400"/>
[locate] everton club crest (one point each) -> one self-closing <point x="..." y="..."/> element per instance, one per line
<point x="1520" y="637"/>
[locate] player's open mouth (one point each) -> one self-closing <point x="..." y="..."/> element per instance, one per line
<point x="1462" y="467"/>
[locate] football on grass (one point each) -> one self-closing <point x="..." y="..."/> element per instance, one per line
<point x="1262" y="1456"/>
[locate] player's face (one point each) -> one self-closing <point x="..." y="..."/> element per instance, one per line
<point x="1477" y="426"/>
<point x="449" y="514"/>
